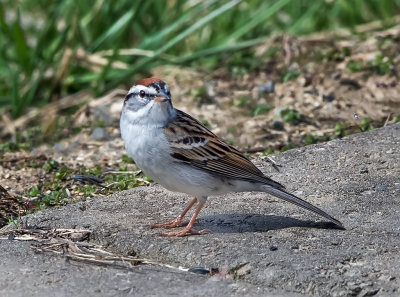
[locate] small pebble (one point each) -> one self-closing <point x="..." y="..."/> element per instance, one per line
<point x="328" y="98"/>
<point x="72" y="146"/>
<point x="200" y="270"/>
<point x="268" y="87"/>
<point x="273" y="248"/>
<point x="103" y="113"/>
<point x="278" y="125"/>
<point x="99" y="134"/>
<point x="131" y="253"/>
<point x="60" y="148"/>
<point x="381" y="188"/>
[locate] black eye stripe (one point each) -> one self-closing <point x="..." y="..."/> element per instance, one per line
<point x="129" y="96"/>
<point x="134" y="94"/>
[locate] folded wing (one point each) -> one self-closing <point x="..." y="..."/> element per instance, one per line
<point x="192" y="143"/>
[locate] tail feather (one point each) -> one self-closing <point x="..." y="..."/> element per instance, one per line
<point x="280" y="193"/>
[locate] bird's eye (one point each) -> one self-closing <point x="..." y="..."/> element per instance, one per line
<point x="142" y="94"/>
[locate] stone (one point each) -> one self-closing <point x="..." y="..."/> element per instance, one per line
<point x="268" y="87"/>
<point x="100" y="134"/>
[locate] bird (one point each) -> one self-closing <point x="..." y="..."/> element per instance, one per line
<point x="178" y="152"/>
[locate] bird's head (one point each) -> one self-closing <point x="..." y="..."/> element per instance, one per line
<point x="148" y="102"/>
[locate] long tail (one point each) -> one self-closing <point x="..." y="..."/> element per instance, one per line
<point x="299" y="202"/>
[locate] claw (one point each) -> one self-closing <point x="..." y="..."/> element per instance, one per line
<point x="178" y="222"/>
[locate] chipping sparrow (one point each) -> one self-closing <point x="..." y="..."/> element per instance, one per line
<point x="182" y="155"/>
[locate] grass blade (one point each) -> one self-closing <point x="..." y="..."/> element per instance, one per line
<point x="258" y="18"/>
<point x="197" y="25"/>
<point x="15" y="97"/>
<point x="153" y="39"/>
<point x="21" y="47"/>
<point x="220" y="49"/>
<point x="298" y="25"/>
<point x="117" y="28"/>
<point x="204" y="20"/>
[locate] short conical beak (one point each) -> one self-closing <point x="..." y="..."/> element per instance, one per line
<point x="161" y="97"/>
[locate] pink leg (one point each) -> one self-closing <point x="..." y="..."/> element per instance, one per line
<point x="178" y="221"/>
<point x="188" y="229"/>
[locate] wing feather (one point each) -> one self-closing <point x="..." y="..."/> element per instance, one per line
<point x="192" y="143"/>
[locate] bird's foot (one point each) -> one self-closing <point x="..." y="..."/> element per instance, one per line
<point x="185" y="232"/>
<point x="170" y="224"/>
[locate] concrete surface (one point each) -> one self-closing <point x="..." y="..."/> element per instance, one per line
<point x="24" y="273"/>
<point x="284" y="248"/>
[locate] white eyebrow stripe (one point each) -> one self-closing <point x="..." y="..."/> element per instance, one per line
<point x="136" y="89"/>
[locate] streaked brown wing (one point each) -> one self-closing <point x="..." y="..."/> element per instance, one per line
<point x="192" y="143"/>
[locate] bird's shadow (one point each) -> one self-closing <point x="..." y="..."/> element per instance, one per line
<point x="239" y="223"/>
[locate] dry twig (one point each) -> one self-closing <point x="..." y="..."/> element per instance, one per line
<point x="71" y="243"/>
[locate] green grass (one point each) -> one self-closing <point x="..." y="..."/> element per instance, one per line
<point x="291" y="116"/>
<point x="10" y="146"/>
<point x="14" y="221"/>
<point x="261" y="109"/>
<point x="61" y="188"/>
<point x="40" y="40"/>
<point x="291" y="74"/>
<point x="380" y="65"/>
